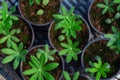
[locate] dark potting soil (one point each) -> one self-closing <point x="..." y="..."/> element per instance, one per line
<point x="29" y="12"/>
<point x="25" y="35"/>
<point x="98" y="20"/>
<point x="80" y="78"/>
<point x="82" y="37"/>
<point x="107" y="55"/>
<point x="56" y="72"/>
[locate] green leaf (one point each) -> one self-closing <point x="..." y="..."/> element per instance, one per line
<point x="30" y="2"/>
<point x="73" y="33"/>
<point x="20" y="47"/>
<point x="34" y="76"/>
<point x="52" y="52"/>
<point x="117" y="16"/>
<point x="50" y="66"/>
<point x="69" y="57"/>
<point x="118" y="8"/>
<point x="92" y="70"/>
<point x="14" y="18"/>
<point x="64" y="45"/>
<point x="96" y="65"/>
<point x="48" y="76"/>
<point x="14" y="46"/>
<point x="76" y="76"/>
<point x="45" y="2"/>
<point x="40" y="12"/>
<point x="16" y="63"/>
<point x="98" y="75"/>
<point x="8" y="59"/>
<point x="42" y="60"/>
<point x="2" y="40"/>
<point x="111" y="42"/>
<point x="35" y="61"/>
<point x="14" y="38"/>
<point x="106" y="2"/>
<point x="63" y="52"/>
<point x="58" y="16"/>
<point x="12" y="10"/>
<point x="63" y="10"/>
<point x="30" y="71"/>
<point x="105" y="10"/>
<point x="101" y="5"/>
<point x="8" y="51"/>
<point x="66" y="75"/>
<point x="109" y="36"/>
<point x="38" y="1"/>
<point x="75" y="57"/>
<point x="116" y="1"/>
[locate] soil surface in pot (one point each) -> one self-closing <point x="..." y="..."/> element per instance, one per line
<point x="98" y="20"/>
<point x="107" y="55"/>
<point x="29" y="12"/>
<point x="56" y="72"/>
<point x="82" y="37"/>
<point x="25" y="36"/>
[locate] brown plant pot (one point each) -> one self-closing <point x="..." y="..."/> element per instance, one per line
<point x="83" y="37"/>
<point x="27" y="34"/>
<point x="56" y="73"/>
<point x="97" y="20"/>
<point x="29" y="12"/>
<point x="99" y="47"/>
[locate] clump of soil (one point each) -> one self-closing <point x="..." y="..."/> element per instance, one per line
<point x="56" y="72"/>
<point x="98" y="20"/>
<point x="107" y="55"/>
<point x="29" y="12"/>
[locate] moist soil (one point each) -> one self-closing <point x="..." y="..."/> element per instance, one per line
<point x="98" y="20"/>
<point x="82" y="37"/>
<point x="29" y="12"/>
<point x="56" y="72"/>
<point x="107" y="55"/>
<point x="25" y="35"/>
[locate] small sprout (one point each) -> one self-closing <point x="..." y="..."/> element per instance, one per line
<point x="117" y="16"/>
<point x="108" y="21"/>
<point x="40" y="68"/>
<point x="40" y="12"/>
<point x="45" y="2"/>
<point x="98" y="69"/>
<point x="61" y="38"/>
<point x="67" y="76"/>
<point x="15" y="54"/>
<point x="70" y="50"/>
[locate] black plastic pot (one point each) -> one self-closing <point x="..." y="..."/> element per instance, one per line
<point x="44" y="24"/>
<point x="41" y="46"/>
<point x="84" y="21"/>
<point x="90" y="19"/>
<point x="83" y="64"/>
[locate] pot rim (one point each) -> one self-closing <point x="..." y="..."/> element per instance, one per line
<point x="36" y="24"/>
<point x="82" y="58"/>
<point x="32" y="32"/>
<point x="37" y="46"/>
<point x="89" y="33"/>
<point x="89" y="19"/>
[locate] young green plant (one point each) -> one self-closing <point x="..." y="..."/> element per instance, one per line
<point x="47" y="52"/>
<point x="15" y="54"/>
<point x="40" y="69"/>
<point x="10" y="37"/>
<point x="67" y="76"/>
<point x="114" y="40"/>
<point x="67" y="21"/>
<point x="98" y="69"/>
<point x="6" y="18"/>
<point x="70" y="50"/>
